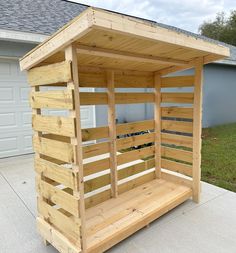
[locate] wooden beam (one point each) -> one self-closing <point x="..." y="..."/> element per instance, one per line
<point x="197" y="129"/>
<point x="70" y="55"/>
<point x="112" y="132"/>
<point x="157" y="115"/>
<point x="121" y="55"/>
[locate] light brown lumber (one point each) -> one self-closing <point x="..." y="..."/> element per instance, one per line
<point x="158" y="123"/>
<point x="56" y="238"/>
<point x="177" y="140"/>
<point x="59" y="197"/>
<point x="54" y="124"/>
<point x="177" y="154"/>
<point x="180" y="98"/>
<point x="177" y="81"/>
<point x="136" y="57"/>
<point x="101" y="98"/>
<point x="177" y="112"/>
<point x="55" y="149"/>
<point x="176" y="167"/>
<point x="95" y="149"/>
<point x="177" y="126"/>
<point x="197" y="129"/>
<point x="112" y="132"/>
<point x="70" y="55"/>
<point x="55" y="99"/>
<point x="67" y="224"/>
<point x="50" y="74"/>
<point x="54" y="171"/>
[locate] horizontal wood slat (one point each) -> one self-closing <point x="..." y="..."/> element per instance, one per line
<point x="95" y="149"/>
<point x="50" y="74"/>
<point x="100" y="98"/>
<point x="55" y="149"/>
<point x="176" y="167"/>
<point x="182" y="98"/>
<point x="177" y="154"/>
<point x="58" y="196"/>
<point x="178" y="140"/>
<point x="177" y="81"/>
<point x="121" y="129"/>
<point x="68" y="225"/>
<point x="54" y="124"/>
<point x="55" y="172"/>
<point x="55" y="99"/>
<point x="177" y="112"/>
<point x="178" y="126"/>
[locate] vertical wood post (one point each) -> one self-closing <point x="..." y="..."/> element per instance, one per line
<point x="70" y="55"/>
<point x="197" y="128"/>
<point x="157" y="120"/>
<point x="112" y="131"/>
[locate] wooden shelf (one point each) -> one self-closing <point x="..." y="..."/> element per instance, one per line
<point x="117" y="218"/>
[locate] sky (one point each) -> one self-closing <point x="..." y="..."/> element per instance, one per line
<point x="185" y="14"/>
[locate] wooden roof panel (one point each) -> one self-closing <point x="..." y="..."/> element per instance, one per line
<point x="106" y="30"/>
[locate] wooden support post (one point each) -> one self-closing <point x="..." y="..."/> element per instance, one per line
<point x="112" y="131"/>
<point x="70" y="55"/>
<point x="197" y="128"/>
<point x="157" y="119"/>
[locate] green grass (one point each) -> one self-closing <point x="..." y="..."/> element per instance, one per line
<point x="219" y="156"/>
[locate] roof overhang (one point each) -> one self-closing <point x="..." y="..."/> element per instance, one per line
<point x="112" y="40"/>
<point x="26" y="37"/>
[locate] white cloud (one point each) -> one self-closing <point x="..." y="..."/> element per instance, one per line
<point x="186" y="14"/>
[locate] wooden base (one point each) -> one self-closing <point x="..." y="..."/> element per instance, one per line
<point x="115" y="219"/>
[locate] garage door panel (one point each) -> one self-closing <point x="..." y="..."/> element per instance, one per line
<point x="15" y="111"/>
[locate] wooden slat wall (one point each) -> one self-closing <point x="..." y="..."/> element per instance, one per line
<point x="55" y="153"/>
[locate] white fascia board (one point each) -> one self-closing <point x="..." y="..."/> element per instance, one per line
<point x="18" y="36"/>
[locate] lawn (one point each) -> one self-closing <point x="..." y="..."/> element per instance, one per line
<point x="219" y="156"/>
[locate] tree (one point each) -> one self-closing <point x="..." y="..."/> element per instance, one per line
<point x="222" y="28"/>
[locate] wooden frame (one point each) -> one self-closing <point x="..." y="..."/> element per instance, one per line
<point x="93" y="195"/>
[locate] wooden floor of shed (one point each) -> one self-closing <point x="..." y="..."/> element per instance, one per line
<point x="115" y="219"/>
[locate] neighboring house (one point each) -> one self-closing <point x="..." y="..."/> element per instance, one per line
<point x="26" y="23"/>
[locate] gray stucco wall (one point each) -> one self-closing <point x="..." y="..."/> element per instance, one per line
<point x="219" y="99"/>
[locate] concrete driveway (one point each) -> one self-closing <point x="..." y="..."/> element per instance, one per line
<point x="204" y="228"/>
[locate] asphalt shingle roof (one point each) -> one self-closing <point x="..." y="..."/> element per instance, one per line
<point x="47" y="16"/>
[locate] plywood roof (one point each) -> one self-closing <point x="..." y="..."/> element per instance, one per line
<point x="110" y="40"/>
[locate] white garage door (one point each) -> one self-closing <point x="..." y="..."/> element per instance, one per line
<point x="15" y="113"/>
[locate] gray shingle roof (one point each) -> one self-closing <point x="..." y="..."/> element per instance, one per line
<point x="47" y="16"/>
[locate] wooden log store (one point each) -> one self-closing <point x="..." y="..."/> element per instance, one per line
<point x="94" y="188"/>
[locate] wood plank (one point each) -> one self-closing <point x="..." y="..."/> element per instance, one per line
<point x="96" y="166"/>
<point x="115" y="54"/>
<point x="182" y="98"/>
<point x="69" y="225"/>
<point x="177" y="154"/>
<point x="57" y="239"/>
<point x="50" y="74"/>
<point x="177" y="167"/>
<point x="95" y="149"/>
<point x="135" y="140"/>
<point x="77" y="166"/>
<point x="97" y="198"/>
<point x="177" y="81"/>
<point x="55" y="149"/>
<point x="54" y="124"/>
<point x="54" y="171"/>
<point x="177" y="112"/>
<point x="112" y="132"/>
<point x="56" y="99"/>
<point x="100" y="98"/>
<point x="157" y="122"/>
<point x="121" y="129"/>
<point x="177" y="126"/>
<point x="59" y="197"/>
<point x="177" y="179"/>
<point x="178" y="140"/>
<point x="197" y="129"/>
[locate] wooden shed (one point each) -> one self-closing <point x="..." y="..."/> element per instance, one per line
<point x="94" y="188"/>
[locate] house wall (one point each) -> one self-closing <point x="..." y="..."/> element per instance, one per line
<point x="219" y="99"/>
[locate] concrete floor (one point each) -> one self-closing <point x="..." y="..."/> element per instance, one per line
<point x="204" y="228"/>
